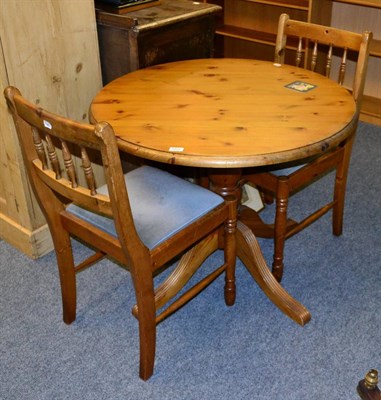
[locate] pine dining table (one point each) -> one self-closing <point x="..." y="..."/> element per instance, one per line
<point x="224" y="115"/>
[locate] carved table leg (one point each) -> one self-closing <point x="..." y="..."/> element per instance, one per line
<point x="226" y="182"/>
<point x="249" y="252"/>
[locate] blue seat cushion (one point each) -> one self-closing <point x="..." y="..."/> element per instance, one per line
<point x="162" y="205"/>
<point x="286" y="171"/>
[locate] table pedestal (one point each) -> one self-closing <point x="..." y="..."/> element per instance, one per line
<point x="227" y="182"/>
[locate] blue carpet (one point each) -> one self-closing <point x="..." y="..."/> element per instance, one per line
<point x="206" y="350"/>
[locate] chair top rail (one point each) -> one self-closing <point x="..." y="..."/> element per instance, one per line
<point x="324" y="34"/>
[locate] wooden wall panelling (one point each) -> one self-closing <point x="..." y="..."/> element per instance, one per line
<point x="50" y="52"/>
<point x="21" y="221"/>
<point x="359" y="16"/>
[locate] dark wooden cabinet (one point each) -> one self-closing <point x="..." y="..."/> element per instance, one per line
<point x="172" y="31"/>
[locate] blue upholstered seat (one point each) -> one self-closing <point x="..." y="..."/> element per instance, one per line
<point x="286" y="171"/>
<point x="162" y="204"/>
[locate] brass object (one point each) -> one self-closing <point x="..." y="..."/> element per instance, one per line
<point x="371" y="379"/>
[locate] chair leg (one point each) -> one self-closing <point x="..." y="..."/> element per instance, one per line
<point x="267" y="198"/>
<point x="230" y="251"/>
<point x="340" y="189"/>
<point x="147" y="335"/>
<point x="65" y="262"/>
<point x="338" y="208"/>
<point x="145" y="301"/>
<point x="280" y="226"/>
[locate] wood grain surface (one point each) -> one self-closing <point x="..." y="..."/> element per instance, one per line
<point x="224" y="113"/>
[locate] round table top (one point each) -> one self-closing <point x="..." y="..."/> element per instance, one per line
<point x="224" y="113"/>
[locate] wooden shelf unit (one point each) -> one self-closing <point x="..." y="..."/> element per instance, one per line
<point x="256" y="22"/>
<point x="247" y="28"/>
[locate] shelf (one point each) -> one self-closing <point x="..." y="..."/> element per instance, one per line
<point x="246" y="34"/>
<point x="269" y="38"/>
<point x="370" y="110"/>
<point x="297" y="4"/>
<point x="375" y="48"/>
<point x="251" y="35"/>
<point x="365" y="3"/>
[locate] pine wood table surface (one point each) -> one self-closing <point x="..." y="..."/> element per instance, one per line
<point x="225" y="115"/>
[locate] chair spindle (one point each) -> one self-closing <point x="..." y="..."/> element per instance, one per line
<point x="68" y="161"/>
<point x="329" y="62"/>
<point x="53" y="156"/>
<point x="299" y="52"/>
<point x="88" y="170"/>
<point x="314" y="56"/>
<point x="39" y="146"/>
<point x="343" y="66"/>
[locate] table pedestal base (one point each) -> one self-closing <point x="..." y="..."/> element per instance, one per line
<point x="227" y="182"/>
<point x="252" y="220"/>
<point x="250" y="254"/>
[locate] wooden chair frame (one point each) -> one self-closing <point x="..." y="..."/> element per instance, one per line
<point x="38" y="130"/>
<point x="281" y="187"/>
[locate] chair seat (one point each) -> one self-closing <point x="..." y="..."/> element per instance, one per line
<point x="162" y="205"/>
<point x="284" y="171"/>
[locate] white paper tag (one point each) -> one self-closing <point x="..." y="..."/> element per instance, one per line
<point x="176" y="149"/>
<point x="47" y="124"/>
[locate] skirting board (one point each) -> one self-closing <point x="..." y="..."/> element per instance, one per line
<point x="32" y="243"/>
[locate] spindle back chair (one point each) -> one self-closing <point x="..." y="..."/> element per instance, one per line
<point x="315" y="50"/>
<point x="143" y="219"/>
<point x="281" y="181"/>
